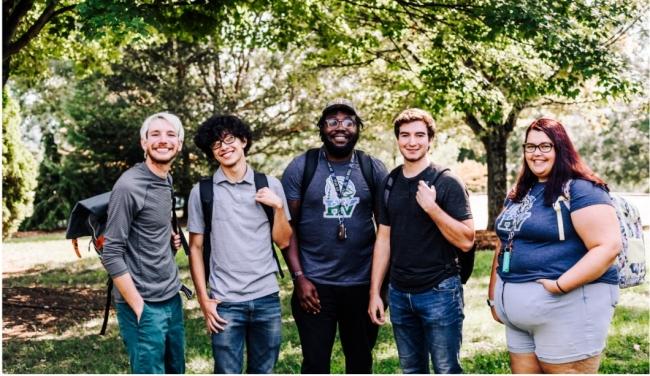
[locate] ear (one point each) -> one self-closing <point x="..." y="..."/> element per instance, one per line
<point x="244" y="142"/>
<point x="143" y="144"/>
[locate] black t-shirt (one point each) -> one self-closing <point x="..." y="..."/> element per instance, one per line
<point x="421" y="257"/>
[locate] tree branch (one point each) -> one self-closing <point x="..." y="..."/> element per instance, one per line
<point x="12" y="17"/>
<point x="48" y="14"/>
<point x="474" y="123"/>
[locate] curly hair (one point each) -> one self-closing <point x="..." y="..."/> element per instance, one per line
<point x="217" y="127"/>
<point x="415" y="114"/>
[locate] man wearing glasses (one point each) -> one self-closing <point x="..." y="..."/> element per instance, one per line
<point x="331" y="193"/>
<point x="241" y="306"/>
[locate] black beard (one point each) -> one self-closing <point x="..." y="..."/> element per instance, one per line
<point x="339" y="151"/>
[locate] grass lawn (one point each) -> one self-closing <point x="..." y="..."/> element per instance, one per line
<point x="77" y="348"/>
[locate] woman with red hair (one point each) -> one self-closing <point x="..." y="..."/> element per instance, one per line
<point x="553" y="284"/>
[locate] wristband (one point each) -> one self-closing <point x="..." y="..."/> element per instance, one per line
<point x="490" y="303"/>
<point x="295" y="275"/>
<point x="558" y="286"/>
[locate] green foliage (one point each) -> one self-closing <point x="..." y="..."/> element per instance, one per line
<point x="487" y="61"/>
<point x="49" y="209"/>
<point x="620" y="150"/>
<point x="18" y="170"/>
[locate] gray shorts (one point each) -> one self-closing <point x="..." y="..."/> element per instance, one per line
<point x="557" y="328"/>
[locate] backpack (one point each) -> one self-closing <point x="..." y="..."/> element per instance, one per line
<point x="207" y="197"/>
<point x="464" y="261"/>
<point x="630" y="261"/>
<point x="88" y="218"/>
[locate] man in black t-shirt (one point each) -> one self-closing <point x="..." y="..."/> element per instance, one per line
<point x="423" y="221"/>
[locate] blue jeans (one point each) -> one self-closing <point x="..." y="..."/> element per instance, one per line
<point x="255" y="322"/>
<point x="156" y="344"/>
<point x="426" y="324"/>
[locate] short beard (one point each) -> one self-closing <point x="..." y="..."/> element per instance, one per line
<point x="160" y="161"/>
<point x="339" y="151"/>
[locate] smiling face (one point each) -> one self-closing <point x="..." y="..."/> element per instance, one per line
<point x="162" y="143"/>
<point x="413" y="140"/>
<point x="229" y="150"/>
<point x="341" y="135"/>
<point x="541" y="164"/>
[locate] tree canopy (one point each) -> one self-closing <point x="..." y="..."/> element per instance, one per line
<point x="486" y="60"/>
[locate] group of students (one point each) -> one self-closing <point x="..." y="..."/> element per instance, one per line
<point x="357" y="241"/>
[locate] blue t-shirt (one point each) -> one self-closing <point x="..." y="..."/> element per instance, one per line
<point x="538" y="251"/>
<point x="324" y="258"/>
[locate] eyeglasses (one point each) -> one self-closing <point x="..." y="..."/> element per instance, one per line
<point x="346" y="123"/>
<point x="229" y="139"/>
<point x="544" y="147"/>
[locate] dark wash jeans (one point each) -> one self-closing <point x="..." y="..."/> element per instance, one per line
<point x="426" y="324"/>
<point x="256" y="323"/>
<point x="156" y="344"/>
<point x="347" y="307"/>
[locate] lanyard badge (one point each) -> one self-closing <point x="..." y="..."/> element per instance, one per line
<point x="517" y="221"/>
<point x="341" y="231"/>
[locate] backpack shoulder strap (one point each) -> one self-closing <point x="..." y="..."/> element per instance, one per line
<point x="566" y="198"/>
<point x="311" y="162"/>
<point x="367" y="169"/>
<point x="207" y="196"/>
<point x="206" y="193"/>
<point x="390" y="181"/>
<point x="436" y="171"/>
<point x="261" y="181"/>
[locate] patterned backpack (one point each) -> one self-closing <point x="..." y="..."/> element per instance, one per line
<point x="630" y="262"/>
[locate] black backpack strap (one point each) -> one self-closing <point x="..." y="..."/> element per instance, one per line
<point x="178" y="229"/>
<point x="261" y="181"/>
<point x="390" y="181"/>
<point x="206" y="193"/>
<point x="311" y="162"/>
<point x="368" y="171"/>
<point x="109" y="290"/>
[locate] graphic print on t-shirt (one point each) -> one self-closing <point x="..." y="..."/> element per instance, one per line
<point x="516" y="214"/>
<point x="331" y="199"/>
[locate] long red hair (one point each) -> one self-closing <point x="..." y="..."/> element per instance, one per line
<point x="568" y="164"/>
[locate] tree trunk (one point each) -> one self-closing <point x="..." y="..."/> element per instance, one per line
<point x="5" y="70"/>
<point x="495" y="142"/>
<point x="494" y="137"/>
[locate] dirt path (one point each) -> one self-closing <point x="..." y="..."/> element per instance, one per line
<point x="21" y="256"/>
<point x="34" y="311"/>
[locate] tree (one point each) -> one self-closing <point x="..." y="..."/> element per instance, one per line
<point x="50" y="211"/>
<point x="18" y="170"/>
<point x="102" y="117"/>
<point x="486" y="60"/>
<point x="36" y="31"/>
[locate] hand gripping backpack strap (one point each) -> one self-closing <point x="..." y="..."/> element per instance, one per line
<point x="464" y="261"/>
<point x="261" y="181"/>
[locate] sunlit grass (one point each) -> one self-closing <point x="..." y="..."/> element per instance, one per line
<point x="80" y="350"/>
